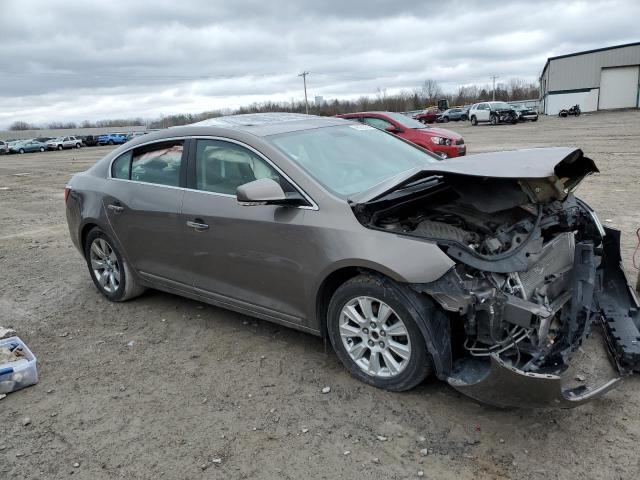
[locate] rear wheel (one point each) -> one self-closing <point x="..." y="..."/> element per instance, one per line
<point x="109" y="271"/>
<point x="376" y="336"/>
<point x="110" y="142"/>
<point x="474" y="120"/>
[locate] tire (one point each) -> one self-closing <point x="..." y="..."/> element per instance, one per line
<point x="474" y="120"/>
<point x="78" y="145"/>
<point x="127" y="286"/>
<point x="445" y="119"/>
<point x="494" y="120"/>
<point x="464" y="118"/>
<point x="378" y="291"/>
<point x="42" y="149"/>
<point x="21" y="150"/>
<point x="578" y="112"/>
<point x="110" y="142"/>
<point x="534" y="119"/>
<point x="60" y="147"/>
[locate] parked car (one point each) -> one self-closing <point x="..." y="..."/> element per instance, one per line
<point x="445" y="143"/>
<point x="494" y="112"/>
<point x="428" y="116"/>
<point x="408" y="265"/>
<point x="89" y="140"/>
<point x="454" y="114"/>
<point x="524" y="113"/>
<point x="28" y="146"/>
<point x="112" y="139"/>
<point x="64" y="142"/>
<point x="4" y="147"/>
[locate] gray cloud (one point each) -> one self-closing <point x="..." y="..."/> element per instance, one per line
<point x="74" y="60"/>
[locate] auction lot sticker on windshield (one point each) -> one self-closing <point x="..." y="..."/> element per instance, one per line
<point x="361" y="127"/>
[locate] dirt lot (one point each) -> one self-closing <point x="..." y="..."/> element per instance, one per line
<point x="163" y="387"/>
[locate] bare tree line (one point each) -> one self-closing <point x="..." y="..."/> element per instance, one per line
<point x="419" y="98"/>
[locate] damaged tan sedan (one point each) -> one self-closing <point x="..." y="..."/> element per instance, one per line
<point x="485" y="270"/>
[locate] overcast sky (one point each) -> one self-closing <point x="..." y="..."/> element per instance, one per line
<point x="78" y="59"/>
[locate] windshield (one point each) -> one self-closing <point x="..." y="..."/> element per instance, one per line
<point x="404" y="120"/>
<point x="348" y="159"/>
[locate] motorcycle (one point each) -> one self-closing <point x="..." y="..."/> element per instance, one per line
<point x="575" y="110"/>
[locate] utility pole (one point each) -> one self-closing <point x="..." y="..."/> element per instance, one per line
<point x="493" y="95"/>
<point x="304" y="79"/>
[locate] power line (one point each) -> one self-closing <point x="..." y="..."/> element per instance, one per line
<point x="304" y="80"/>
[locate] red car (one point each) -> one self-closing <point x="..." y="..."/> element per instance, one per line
<point x="442" y="142"/>
<point x="430" y="115"/>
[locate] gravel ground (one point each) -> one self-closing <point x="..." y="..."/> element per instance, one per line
<point x="164" y="387"/>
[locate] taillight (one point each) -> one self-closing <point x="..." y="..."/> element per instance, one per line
<point x="67" y="191"/>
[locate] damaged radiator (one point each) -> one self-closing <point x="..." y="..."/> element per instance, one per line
<point x="555" y="260"/>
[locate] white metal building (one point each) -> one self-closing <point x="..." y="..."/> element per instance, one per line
<point x="600" y="79"/>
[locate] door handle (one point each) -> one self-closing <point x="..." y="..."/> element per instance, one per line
<point x="198" y="226"/>
<point x="115" y="208"/>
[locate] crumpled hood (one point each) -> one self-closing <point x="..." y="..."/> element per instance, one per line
<point x="561" y="167"/>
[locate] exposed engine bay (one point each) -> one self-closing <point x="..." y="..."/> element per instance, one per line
<point x="529" y="281"/>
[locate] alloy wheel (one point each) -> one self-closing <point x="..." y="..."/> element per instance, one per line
<point x="105" y="265"/>
<point x="375" y="337"/>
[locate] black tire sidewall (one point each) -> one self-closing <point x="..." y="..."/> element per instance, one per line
<point x="474" y="121"/>
<point x="420" y="364"/>
<point x="120" y="291"/>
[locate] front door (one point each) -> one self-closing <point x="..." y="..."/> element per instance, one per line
<point x="242" y="255"/>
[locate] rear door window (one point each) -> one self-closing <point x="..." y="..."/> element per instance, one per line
<point x="159" y="164"/>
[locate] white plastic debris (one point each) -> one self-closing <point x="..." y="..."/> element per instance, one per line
<point x="326" y="389"/>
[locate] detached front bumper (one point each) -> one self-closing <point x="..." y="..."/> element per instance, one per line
<point x="501" y="385"/>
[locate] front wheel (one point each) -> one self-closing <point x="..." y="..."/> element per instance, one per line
<point x="494" y="119"/>
<point x="109" y="271"/>
<point x="474" y="121"/>
<point x="110" y="142"/>
<point x="42" y="149"/>
<point x="77" y="145"/>
<point x="445" y="119"/>
<point x="21" y="150"/>
<point x="375" y="334"/>
<point x="59" y="147"/>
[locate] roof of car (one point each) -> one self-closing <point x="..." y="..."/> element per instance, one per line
<point x="264" y="124"/>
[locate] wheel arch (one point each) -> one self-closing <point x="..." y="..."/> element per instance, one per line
<point x="434" y="324"/>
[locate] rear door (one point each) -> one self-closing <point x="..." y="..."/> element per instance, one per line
<point x="143" y="207"/>
<point x="242" y="255"/>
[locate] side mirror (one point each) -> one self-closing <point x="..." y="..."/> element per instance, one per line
<point x="261" y="192"/>
<point x="391" y="129"/>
